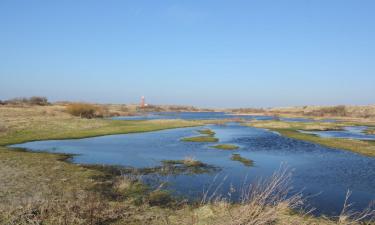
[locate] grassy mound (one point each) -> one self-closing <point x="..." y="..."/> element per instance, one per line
<point x="226" y="147"/>
<point x="201" y="139"/>
<point x="189" y="162"/>
<point x="207" y="132"/>
<point x="245" y="161"/>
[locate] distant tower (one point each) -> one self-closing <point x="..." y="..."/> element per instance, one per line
<point x="143" y="102"/>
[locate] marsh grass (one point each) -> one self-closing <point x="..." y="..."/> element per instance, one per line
<point x="225" y="147"/>
<point x="245" y="161"/>
<point x="207" y="132"/>
<point x="200" y="139"/>
<point x="188" y="161"/>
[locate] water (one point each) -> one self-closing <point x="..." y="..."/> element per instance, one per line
<point x="317" y="170"/>
<point x="353" y="132"/>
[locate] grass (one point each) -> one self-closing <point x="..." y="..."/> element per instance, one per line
<point x="207" y="132"/>
<point x="51" y="122"/>
<point x="200" y="139"/>
<point x="189" y="162"/>
<point x="187" y="166"/>
<point x="290" y="129"/>
<point x="239" y="158"/>
<point x="207" y="137"/>
<point x="226" y="147"/>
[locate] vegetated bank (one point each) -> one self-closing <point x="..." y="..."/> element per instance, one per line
<point x="208" y="136"/>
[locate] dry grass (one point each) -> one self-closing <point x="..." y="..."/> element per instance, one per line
<point x="52" y="122"/>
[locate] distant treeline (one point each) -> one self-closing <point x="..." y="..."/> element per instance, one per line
<point x="35" y="100"/>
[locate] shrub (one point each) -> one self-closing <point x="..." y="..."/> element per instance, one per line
<point x="37" y="100"/>
<point x="82" y="110"/>
<point x="339" y="110"/>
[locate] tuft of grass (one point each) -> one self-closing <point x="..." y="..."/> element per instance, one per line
<point x="245" y="161"/>
<point x="160" y="198"/>
<point x="188" y="161"/>
<point x="207" y="132"/>
<point x="225" y="147"/>
<point x="200" y="139"/>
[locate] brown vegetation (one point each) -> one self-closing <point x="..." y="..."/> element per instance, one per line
<point x="35" y="100"/>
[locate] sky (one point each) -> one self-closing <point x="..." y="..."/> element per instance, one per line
<point x="207" y="53"/>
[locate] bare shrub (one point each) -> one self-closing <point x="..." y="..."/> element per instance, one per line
<point x="339" y="110"/>
<point x="35" y="100"/>
<point x="83" y="110"/>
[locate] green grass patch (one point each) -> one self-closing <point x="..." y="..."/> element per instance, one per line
<point x="226" y="147"/>
<point x="245" y="161"/>
<point x="200" y="139"/>
<point x="207" y="132"/>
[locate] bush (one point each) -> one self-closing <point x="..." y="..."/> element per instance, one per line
<point x="339" y="110"/>
<point x="83" y="110"/>
<point x="35" y="100"/>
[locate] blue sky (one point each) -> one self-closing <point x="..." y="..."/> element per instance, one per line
<point x="206" y="53"/>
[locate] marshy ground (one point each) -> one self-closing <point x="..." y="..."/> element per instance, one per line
<point x="44" y="188"/>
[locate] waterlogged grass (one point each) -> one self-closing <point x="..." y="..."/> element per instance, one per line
<point x="207" y="132"/>
<point x="189" y="162"/>
<point x="245" y="161"/>
<point x="200" y="139"/>
<point x="226" y="147"/>
<point x="208" y="136"/>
